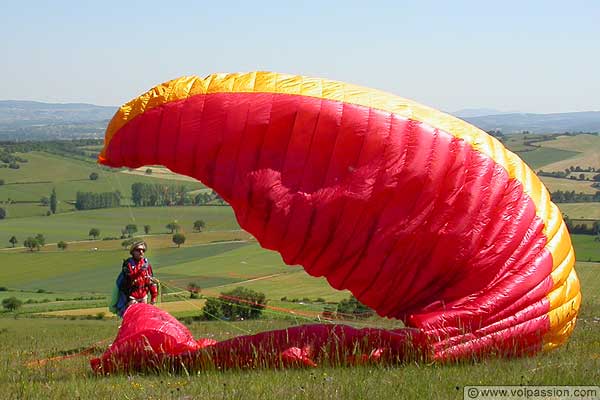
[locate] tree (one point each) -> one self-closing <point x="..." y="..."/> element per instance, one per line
<point x="179" y="239"/>
<point x="13" y="240"/>
<point x="148" y="171"/>
<point x="94" y="232"/>
<point x="173" y="227"/>
<point x="53" y="201"/>
<point x="147" y="229"/>
<point x="130" y="229"/>
<point x="45" y="201"/>
<point x="11" y="303"/>
<point x="93" y="176"/>
<point x="62" y="245"/>
<point x="40" y="239"/>
<point x="242" y="303"/>
<point x="199" y="225"/>
<point x="31" y="243"/>
<point x="2" y="213"/>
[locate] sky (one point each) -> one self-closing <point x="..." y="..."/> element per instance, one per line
<point x="523" y="56"/>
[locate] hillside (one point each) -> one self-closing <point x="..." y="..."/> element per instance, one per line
<point x="539" y="123"/>
<point x="27" y="113"/>
<point x="32" y="120"/>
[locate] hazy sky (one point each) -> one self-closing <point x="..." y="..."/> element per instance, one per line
<point x="529" y="56"/>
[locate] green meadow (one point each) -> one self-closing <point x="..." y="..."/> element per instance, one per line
<point x="542" y="156"/>
<point x="590" y="211"/>
<point x="43" y="172"/>
<point x="214" y="267"/>
<point x="71" y="226"/>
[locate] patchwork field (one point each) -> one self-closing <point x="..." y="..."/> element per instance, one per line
<point x="543" y="157"/>
<point x="43" y="172"/>
<point x="77" y="224"/>
<point x="587" y="147"/>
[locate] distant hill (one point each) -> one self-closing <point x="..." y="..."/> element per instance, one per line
<point x="477" y="112"/>
<point x="588" y="121"/>
<point x="19" y="113"/>
<point x="33" y="120"/>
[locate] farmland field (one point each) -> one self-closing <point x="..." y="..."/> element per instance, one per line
<point x="581" y="210"/>
<point x="567" y="185"/>
<point x="542" y="156"/>
<point x="587" y="248"/>
<point x="588" y="147"/>
<point x="76" y="225"/>
<point x="43" y="172"/>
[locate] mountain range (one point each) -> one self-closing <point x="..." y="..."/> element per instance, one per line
<point x="33" y="120"/>
<point x="510" y="122"/>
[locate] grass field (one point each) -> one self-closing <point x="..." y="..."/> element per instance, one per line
<point x="588" y="147"/>
<point x="581" y="210"/>
<point x="215" y="267"/>
<point x="586" y="247"/>
<point x="43" y="172"/>
<point x="567" y="185"/>
<point x="24" y="340"/>
<point x="76" y="225"/>
<point x="543" y="156"/>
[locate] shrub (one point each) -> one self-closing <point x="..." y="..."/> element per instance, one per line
<point x="351" y="307"/>
<point x="242" y="303"/>
<point x="212" y="309"/>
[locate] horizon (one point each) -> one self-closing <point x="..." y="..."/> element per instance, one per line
<point x="463" y="110"/>
<point x="452" y="57"/>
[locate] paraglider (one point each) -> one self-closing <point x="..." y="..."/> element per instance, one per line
<point x="420" y="215"/>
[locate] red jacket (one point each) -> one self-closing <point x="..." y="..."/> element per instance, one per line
<point x="138" y="279"/>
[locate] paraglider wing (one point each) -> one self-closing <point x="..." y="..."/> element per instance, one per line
<point x="151" y="339"/>
<point x="420" y="215"/>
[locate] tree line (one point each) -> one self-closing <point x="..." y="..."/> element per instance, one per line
<point x="90" y="200"/>
<point x="69" y="148"/>
<point x="582" y="228"/>
<point x="155" y="194"/>
<point x="566" y="196"/>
